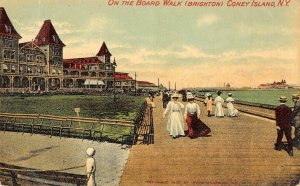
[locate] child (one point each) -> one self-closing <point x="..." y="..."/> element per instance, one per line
<point x="208" y="102"/>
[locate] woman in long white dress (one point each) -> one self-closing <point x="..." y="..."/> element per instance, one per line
<point x="175" y="118"/>
<point x="231" y="112"/>
<point x="219" y="112"/>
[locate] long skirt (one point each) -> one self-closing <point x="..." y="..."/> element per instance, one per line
<point x="219" y="110"/>
<point x="175" y="124"/>
<point x="196" y="127"/>
<point x="230" y="110"/>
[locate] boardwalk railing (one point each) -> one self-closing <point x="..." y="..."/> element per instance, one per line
<point x="144" y="129"/>
<point x="77" y="127"/>
<point x="52" y="177"/>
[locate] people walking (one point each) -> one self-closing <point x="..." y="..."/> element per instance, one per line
<point x="196" y="127"/>
<point x="175" y="117"/>
<point x="209" y="103"/>
<point x="283" y="122"/>
<point x="296" y="119"/>
<point x="149" y="101"/>
<point x="231" y="111"/>
<point x="165" y="98"/>
<point x="219" y="112"/>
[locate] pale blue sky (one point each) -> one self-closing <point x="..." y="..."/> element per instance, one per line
<point x="194" y="46"/>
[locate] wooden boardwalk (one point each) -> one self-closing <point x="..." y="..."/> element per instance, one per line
<point x="239" y="152"/>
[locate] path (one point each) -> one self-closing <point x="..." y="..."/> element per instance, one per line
<point x="239" y="152"/>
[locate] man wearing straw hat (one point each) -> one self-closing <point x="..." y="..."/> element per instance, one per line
<point x="283" y="122"/>
<point x="296" y="119"/>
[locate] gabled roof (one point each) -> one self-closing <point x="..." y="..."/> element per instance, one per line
<point x="122" y="76"/>
<point x="6" y="27"/>
<point x="47" y="35"/>
<point x="86" y="60"/>
<point x="103" y="50"/>
<point x="29" y="45"/>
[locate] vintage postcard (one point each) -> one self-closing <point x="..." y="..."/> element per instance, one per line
<point x="149" y="92"/>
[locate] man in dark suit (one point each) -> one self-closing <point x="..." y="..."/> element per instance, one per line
<point x="283" y="123"/>
<point x="165" y="99"/>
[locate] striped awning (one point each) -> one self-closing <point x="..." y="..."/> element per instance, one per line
<point x="93" y="82"/>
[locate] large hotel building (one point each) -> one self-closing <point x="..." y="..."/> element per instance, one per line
<point x="38" y="65"/>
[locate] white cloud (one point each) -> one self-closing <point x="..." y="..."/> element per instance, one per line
<point x="207" y="20"/>
<point x="247" y="68"/>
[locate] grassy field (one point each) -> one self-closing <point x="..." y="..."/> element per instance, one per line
<point x="258" y="96"/>
<point x="63" y="105"/>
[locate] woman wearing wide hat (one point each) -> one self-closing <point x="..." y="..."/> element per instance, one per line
<point x="175" y="118"/>
<point x="196" y="127"/>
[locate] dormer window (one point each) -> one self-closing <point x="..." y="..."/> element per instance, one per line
<point x="54" y="38"/>
<point x="44" y="39"/>
<point x="7" y="29"/>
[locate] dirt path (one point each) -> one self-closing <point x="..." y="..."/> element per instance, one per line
<point x="239" y="152"/>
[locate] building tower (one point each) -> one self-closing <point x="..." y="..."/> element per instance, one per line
<point x="49" y="42"/>
<point x="9" y="46"/>
<point x="105" y="56"/>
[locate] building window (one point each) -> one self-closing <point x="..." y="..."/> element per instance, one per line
<point x="6" y="55"/>
<point x="29" y="58"/>
<point x="13" y="55"/>
<point x="7" y="29"/>
<point x="43" y="39"/>
<point x="5" y="68"/>
<point x="107" y="59"/>
<point x="40" y="59"/>
<point x="21" y="57"/>
<point x="29" y="70"/>
<point x="54" y="38"/>
<point x="21" y="69"/>
<point x="8" y="43"/>
<point x="56" y="51"/>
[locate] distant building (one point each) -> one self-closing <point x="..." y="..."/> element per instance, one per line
<point x="146" y="86"/>
<point x="124" y="82"/>
<point x="280" y="85"/>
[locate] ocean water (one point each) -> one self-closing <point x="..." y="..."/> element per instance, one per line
<point x="269" y="97"/>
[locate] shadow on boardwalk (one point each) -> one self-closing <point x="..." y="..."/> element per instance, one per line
<point x="239" y="152"/>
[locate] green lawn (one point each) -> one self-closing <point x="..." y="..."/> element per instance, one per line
<point x="126" y="107"/>
<point x="269" y="97"/>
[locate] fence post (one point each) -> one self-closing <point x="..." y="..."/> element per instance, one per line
<point x="14" y="178"/>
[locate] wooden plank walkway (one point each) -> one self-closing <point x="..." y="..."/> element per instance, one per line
<point x="239" y="152"/>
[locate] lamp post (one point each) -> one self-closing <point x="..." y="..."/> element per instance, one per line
<point x="135" y="83"/>
<point x="114" y="65"/>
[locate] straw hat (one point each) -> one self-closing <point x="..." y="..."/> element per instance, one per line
<point x="282" y="98"/>
<point x="175" y="95"/>
<point x="229" y="94"/>
<point x="90" y="151"/>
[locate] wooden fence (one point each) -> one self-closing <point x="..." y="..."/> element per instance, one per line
<point x="18" y="175"/>
<point x="144" y="128"/>
<point x="78" y="127"/>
